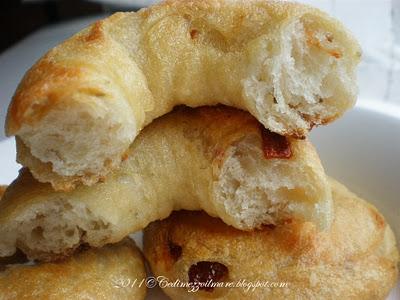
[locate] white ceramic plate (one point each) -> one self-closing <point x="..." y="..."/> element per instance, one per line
<point x="362" y="150"/>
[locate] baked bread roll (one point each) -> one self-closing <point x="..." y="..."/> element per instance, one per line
<point x="80" y="106"/>
<point x="112" y="272"/>
<point x="356" y="259"/>
<point x="216" y="159"/>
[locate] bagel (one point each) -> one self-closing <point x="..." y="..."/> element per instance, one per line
<point x="356" y="259"/>
<point x="81" y="105"/>
<point x="217" y="159"/>
<point x="112" y="272"/>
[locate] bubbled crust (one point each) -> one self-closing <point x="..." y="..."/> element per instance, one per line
<point x="88" y="64"/>
<point x="138" y="66"/>
<point x="356" y="259"/>
<point x="64" y="68"/>
<point x="104" y="273"/>
<point x="175" y="163"/>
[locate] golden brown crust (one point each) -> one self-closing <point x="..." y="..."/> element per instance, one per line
<point x="346" y="262"/>
<point x="37" y="84"/>
<point x="193" y="159"/>
<point x="135" y="67"/>
<point x="113" y="271"/>
<point x="2" y="190"/>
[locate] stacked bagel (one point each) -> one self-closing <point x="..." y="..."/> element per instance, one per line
<point x="143" y="118"/>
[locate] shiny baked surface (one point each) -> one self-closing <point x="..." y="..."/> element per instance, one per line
<point x="217" y="159"/>
<point x="81" y="106"/>
<point x="109" y="272"/>
<point x="356" y="259"/>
